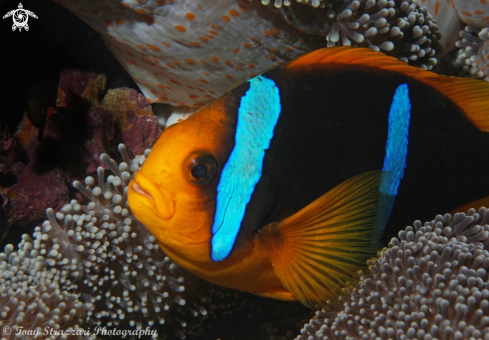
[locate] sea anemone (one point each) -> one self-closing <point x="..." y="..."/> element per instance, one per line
<point x="430" y="283"/>
<point x="402" y="29"/>
<point x="34" y="295"/>
<point x="188" y="53"/>
<point x="100" y="254"/>
<point x="473" y="53"/>
<point x="473" y="13"/>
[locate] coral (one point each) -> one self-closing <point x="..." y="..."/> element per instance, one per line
<point x="38" y="163"/>
<point x="7" y="158"/>
<point x="34" y="192"/>
<point x="118" y="115"/>
<point x="430" y="283"/>
<point x="74" y="84"/>
<point x="473" y="53"/>
<point x="36" y="187"/>
<point x="140" y="128"/>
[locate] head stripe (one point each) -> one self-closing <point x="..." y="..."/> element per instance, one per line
<point x="257" y="116"/>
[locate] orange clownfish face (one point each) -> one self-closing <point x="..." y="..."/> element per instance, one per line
<point x="173" y="194"/>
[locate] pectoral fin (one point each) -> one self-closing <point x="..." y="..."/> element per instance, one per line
<point x="317" y="250"/>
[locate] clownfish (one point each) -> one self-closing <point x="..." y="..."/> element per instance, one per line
<point x="283" y="186"/>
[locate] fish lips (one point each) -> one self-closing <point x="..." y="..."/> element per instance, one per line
<point x="158" y="200"/>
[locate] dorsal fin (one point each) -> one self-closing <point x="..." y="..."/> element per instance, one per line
<point x="470" y="95"/>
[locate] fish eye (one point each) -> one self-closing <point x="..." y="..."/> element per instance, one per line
<point x="200" y="168"/>
<point x="199" y="171"/>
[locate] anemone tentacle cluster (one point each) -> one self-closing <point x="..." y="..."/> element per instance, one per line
<point x="101" y="254"/>
<point x="473" y="53"/>
<point x="431" y="283"/>
<point x="403" y="29"/>
<point x="34" y="295"/>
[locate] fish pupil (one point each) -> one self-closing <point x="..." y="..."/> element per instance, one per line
<point x="199" y="171"/>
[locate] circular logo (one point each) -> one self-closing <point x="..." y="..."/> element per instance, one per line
<point x="20" y="17"/>
<point x="6" y="330"/>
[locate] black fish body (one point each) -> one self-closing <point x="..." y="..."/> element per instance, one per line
<point x="334" y="126"/>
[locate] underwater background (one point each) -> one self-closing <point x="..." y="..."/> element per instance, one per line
<point x="60" y="54"/>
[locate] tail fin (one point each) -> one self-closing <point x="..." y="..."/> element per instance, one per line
<point x="318" y="249"/>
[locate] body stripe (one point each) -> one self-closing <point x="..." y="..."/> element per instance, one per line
<point x="397" y="139"/>
<point x="257" y="116"/>
<point x="395" y="155"/>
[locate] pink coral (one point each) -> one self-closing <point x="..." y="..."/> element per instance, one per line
<point x="73" y="84"/>
<point x="34" y="192"/>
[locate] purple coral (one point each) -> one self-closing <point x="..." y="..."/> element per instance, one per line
<point x="39" y="163"/>
<point x="35" y="192"/>
<point x="75" y="84"/>
<point x="431" y="283"/>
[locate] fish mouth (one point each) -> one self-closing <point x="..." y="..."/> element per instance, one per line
<point x="148" y="194"/>
<point x="136" y="188"/>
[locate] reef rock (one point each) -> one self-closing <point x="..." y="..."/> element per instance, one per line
<point x="65" y="143"/>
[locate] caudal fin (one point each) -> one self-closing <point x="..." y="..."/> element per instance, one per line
<point x="318" y="249"/>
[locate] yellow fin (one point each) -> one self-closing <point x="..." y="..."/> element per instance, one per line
<point x="470" y="95"/>
<point x="317" y="250"/>
<point x="278" y="295"/>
